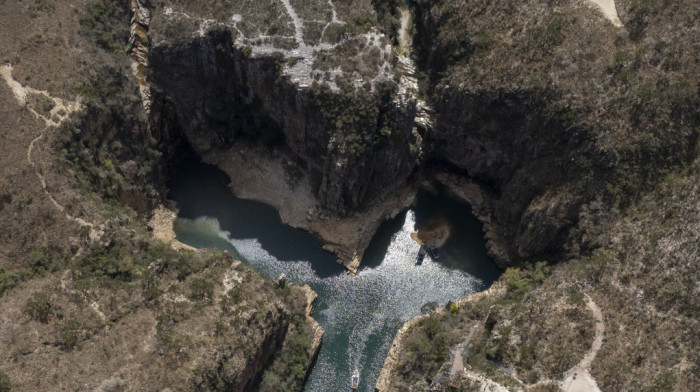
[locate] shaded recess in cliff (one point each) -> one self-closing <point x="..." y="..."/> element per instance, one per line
<point x="544" y="126"/>
<point x="354" y="146"/>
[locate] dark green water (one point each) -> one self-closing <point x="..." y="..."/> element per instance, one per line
<point x="360" y="314"/>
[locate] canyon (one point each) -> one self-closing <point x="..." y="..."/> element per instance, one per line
<point x="571" y="133"/>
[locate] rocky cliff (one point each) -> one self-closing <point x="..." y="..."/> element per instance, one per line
<point x="338" y="116"/>
<point x="575" y="136"/>
<point x="547" y="107"/>
<point x="347" y="136"/>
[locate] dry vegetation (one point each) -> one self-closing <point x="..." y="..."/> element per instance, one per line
<point x="116" y="310"/>
<point x="635" y="94"/>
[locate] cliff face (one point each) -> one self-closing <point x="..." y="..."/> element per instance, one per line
<point x="333" y="149"/>
<point x="579" y="137"/>
<point x="220" y="95"/>
<point x="522" y="162"/>
<point x="548" y="108"/>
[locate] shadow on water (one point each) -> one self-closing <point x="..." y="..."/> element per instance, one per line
<point x="196" y="181"/>
<point x="362" y="313"/>
<point x="465" y="248"/>
<point x="380" y="242"/>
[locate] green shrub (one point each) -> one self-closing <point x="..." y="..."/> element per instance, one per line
<point x="41" y="261"/>
<point x="577" y="298"/>
<point x="68" y="334"/>
<point x="425" y="350"/>
<point x="452" y="307"/>
<point x="39" y="306"/>
<point x="107" y="23"/>
<point x="202" y="288"/>
<point x="10" y="279"/>
<point x="388" y="16"/>
<point x="521" y="281"/>
<point x="4" y="382"/>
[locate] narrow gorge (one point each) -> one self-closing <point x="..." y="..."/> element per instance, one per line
<point x="236" y="194"/>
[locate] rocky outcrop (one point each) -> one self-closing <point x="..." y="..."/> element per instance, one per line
<point x="316" y="329"/>
<point x="138" y="42"/>
<point x="349" y="154"/>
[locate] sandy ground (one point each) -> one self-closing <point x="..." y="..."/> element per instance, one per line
<point x="436" y="236"/>
<point x="260" y="176"/>
<point x="578" y="378"/>
<point x="609" y="10"/>
<point x="162" y="225"/>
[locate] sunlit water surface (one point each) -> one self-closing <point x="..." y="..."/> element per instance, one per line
<point x="360" y="314"/>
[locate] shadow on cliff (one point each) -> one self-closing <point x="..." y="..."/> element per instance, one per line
<point x="464" y="249"/>
<point x="193" y="181"/>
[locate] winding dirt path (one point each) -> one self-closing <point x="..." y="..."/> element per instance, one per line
<point x="61" y="111"/>
<point x="298" y="25"/>
<point x="579" y="378"/>
<point x="576" y="379"/>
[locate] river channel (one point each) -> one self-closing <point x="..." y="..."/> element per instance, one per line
<point x="360" y="314"/>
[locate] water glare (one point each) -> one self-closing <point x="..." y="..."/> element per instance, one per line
<point x="360" y="314"/>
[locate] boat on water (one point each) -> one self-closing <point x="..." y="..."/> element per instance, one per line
<point x="355" y="379"/>
<point x="421" y="254"/>
<point x="434" y="252"/>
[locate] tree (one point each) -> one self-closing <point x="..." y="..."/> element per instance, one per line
<point x="39" y="305"/>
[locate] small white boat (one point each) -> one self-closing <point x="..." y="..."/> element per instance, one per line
<point x="355" y="379"/>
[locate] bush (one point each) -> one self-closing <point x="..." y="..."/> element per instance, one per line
<point x="10" y="279"/>
<point x="202" y="288"/>
<point x="4" y="382"/>
<point x="428" y="307"/>
<point x="68" y="334"/>
<point x="452" y="307"/>
<point x="39" y="306"/>
<point x="425" y="351"/>
<point x="107" y="23"/>
<point x="521" y="281"/>
<point x="115" y="262"/>
<point x="41" y="261"/>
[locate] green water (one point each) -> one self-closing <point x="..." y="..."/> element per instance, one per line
<point x="360" y="314"/>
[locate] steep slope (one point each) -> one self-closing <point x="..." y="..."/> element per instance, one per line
<point x="338" y="126"/>
<point x="549" y="106"/>
<point x="584" y="138"/>
<point x="90" y="300"/>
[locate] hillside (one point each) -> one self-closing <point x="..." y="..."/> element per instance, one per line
<point x="574" y="139"/>
<point x="90" y="299"/>
<point x="585" y="134"/>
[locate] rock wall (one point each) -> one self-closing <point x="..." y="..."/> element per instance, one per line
<point x="524" y="165"/>
<point x="219" y="95"/>
<point x="536" y="105"/>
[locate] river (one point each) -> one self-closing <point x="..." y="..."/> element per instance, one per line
<point x="360" y="314"/>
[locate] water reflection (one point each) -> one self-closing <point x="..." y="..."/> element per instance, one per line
<point x="360" y="314"/>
